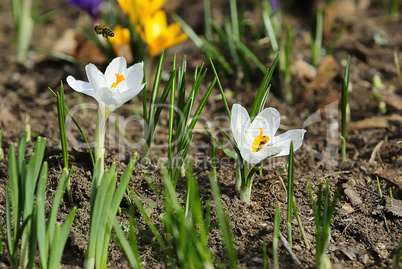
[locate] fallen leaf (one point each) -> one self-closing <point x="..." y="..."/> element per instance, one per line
<point x="395" y="209"/>
<point x="326" y="72"/>
<point x="374" y="122"/>
<point x="353" y="196"/>
<point x="392" y="175"/>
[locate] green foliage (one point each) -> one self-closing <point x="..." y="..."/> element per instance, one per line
<point x="323" y="210"/>
<point x="25" y="219"/>
<point x="291" y="178"/>
<point x="151" y="114"/>
<point x="344" y="105"/>
<point x="316" y="43"/>
<point x="62" y="128"/>
<point x="51" y="236"/>
<point x="186" y="228"/>
<point x="182" y="121"/>
<point x="105" y="199"/>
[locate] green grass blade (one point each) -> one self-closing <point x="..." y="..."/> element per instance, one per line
<point x="21" y="165"/>
<point x="171" y="119"/>
<point x="234" y="17"/>
<point x="40" y="217"/>
<point x="64" y="178"/>
<point x="181" y="84"/>
<point x="266" y="10"/>
<point x="249" y="55"/>
<point x="224" y="225"/>
<point x="208" y="20"/>
<point x="96" y="218"/>
<point x="317" y="42"/>
<point x="62" y="124"/>
<point x="263" y="91"/>
<point x="291" y="171"/>
<point x="104" y="230"/>
<point x="163" y="97"/>
<point x="155" y="89"/>
<point x="13" y="188"/>
<point x="220" y="89"/>
<point x="124" y="180"/>
<point x="57" y="250"/>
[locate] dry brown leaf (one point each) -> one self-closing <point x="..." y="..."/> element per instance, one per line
<point x="7" y="116"/>
<point x="326" y="72"/>
<point x="392" y="175"/>
<point x="353" y="196"/>
<point x="303" y="70"/>
<point x="374" y="122"/>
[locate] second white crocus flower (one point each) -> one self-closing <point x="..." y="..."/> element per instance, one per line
<point x="112" y="89"/>
<point x="256" y="140"/>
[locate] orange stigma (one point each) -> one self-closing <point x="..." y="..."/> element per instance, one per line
<point x="259" y="141"/>
<point x="119" y="78"/>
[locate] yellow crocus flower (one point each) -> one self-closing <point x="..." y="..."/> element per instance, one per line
<point x="138" y="10"/>
<point x="121" y="36"/>
<point x="158" y="35"/>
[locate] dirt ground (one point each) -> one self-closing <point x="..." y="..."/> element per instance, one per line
<point x="365" y="228"/>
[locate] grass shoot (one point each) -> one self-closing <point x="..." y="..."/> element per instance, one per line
<point x="344" y="110"/>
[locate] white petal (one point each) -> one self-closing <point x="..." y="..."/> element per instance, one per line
<point x="80" y="86"/>
<point x="117" y="66"/>
<point x="96" y="79"/>
<point x="125" y="96"/>
<point x="268" y="119"/>
<point x="135" y="75"/>
<point x="284" y="139"/>
<point x="255" y="157"/>
<point x="240" y="121"/>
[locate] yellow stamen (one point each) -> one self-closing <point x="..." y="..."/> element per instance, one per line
<point x="259" y="141"/>
<point x="119" y="78"/>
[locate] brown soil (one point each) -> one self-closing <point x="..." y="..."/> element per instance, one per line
<point x="365" y="229"/>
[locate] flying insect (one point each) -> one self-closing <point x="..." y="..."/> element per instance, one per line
<point x="103" y="30"/>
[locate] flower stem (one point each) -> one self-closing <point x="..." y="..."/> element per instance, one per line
<point x="103" y="114"/>
<point x="245" y="194"/>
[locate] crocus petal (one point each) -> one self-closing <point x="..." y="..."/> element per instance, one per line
<point x="80" y="86"/>
<point x="240" y="122"/>
<point x="284" y="139"/>
<point x="96" y="78"/>
<point x="268" y="119"/>
<point x="135" y="75"/>
<point x="117" y="66"/>
<point x="125" y="96"/>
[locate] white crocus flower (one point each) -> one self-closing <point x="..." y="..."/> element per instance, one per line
<point x="256" y="140"/>
<point x="118" y="85"/>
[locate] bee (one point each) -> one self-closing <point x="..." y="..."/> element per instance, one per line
<point x="261" y="145"/>
<point x="103" y="30"/>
